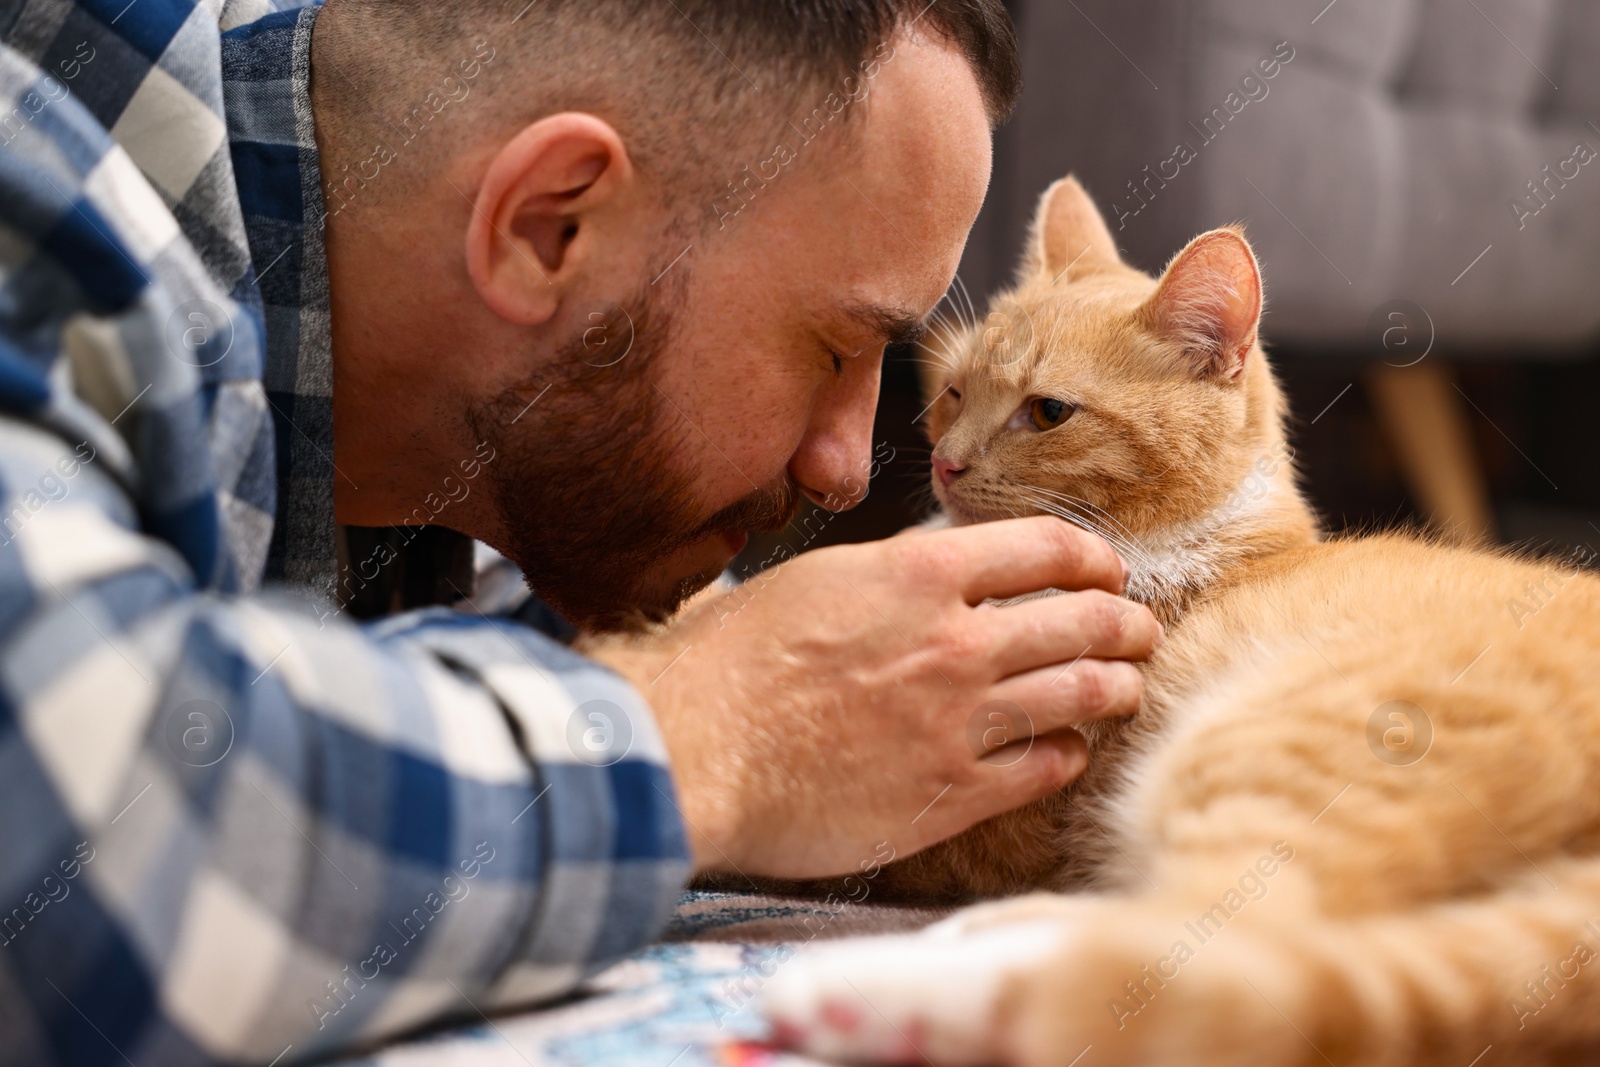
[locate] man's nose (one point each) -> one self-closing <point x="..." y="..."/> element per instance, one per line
<point x="835" y="460"/>
<point x="946" y="470"/>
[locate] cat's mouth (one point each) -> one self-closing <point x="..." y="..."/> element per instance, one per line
<point x="963" y="510"/>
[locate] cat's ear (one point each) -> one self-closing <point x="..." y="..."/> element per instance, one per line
<point x="1209" y="303"/>
<point x="1069" y="237"/>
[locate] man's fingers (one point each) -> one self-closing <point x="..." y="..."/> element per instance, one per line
<point x="1060" y="629"/>
<point x="1016" y="556"/>
<point x="1032" y="771"/>
<point x="1065" y="695"/>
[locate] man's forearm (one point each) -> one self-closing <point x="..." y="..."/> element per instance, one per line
<point x="281" y="833"/>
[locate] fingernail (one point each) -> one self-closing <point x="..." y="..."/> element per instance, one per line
<point x="1161" y="636"/>
<point x="1127" y="571"/>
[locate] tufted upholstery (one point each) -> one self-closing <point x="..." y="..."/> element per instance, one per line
<point x="1384" y="156"/>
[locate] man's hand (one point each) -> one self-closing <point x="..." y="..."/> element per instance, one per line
<point x="834" y="702"/>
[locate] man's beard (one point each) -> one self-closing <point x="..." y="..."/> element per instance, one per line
<point x="587" y="499"/>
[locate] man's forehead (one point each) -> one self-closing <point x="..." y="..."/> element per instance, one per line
<point x="869" y="226"/>
<point x="910" y="185"/>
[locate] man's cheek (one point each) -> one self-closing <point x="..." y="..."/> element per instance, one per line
<point x="736" y="443"/>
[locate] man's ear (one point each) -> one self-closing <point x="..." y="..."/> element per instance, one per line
<point x="1069" y="235"/>
<point x="532" y="224"/>
<point x="1209" y="303"/>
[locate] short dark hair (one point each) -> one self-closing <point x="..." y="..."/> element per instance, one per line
<point x="707" y="81"/>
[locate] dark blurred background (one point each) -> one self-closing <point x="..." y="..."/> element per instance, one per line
<point x="1420" y="180"/>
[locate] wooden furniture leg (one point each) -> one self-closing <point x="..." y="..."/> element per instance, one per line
<point x="1425" y="420"/>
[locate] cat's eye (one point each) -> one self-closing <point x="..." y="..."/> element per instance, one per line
<point x="955" y="394"/>
<point x="1046" y="413"/>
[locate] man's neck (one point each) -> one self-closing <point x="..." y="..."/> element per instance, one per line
<point x="394" y="431"/>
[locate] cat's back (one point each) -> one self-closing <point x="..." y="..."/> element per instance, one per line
<point x="1352" y="588"/>
<point x="1399" y="617"/>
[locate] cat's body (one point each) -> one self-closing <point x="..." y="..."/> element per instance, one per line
<point x="1357" y="820"/>
<point x="1309" y="644"/>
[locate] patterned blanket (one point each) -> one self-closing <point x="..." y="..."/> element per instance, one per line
<point x="687" y="1001"/>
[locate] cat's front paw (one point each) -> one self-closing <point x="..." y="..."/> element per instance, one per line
<point x="935" y="997"/>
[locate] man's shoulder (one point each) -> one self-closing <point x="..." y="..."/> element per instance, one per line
<point x="128" y="236"/>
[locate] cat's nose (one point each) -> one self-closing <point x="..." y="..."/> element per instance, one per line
<point x="946" y="470"/>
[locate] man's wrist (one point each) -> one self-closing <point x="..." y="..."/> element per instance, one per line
<point x="708" y="820"/>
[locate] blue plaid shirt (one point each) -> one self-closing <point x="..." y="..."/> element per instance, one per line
<point x="236" y="826"/>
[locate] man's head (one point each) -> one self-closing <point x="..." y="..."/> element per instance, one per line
<point x="650" y="250"/>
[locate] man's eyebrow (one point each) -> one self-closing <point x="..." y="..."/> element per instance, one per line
<point x="895" y="325"/>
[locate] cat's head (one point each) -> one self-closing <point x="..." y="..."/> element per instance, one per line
<point x="1143" y="406"/>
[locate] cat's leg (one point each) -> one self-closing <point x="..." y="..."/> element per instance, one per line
<point x="926" y="997"/>
<point x="1509" y="979"/>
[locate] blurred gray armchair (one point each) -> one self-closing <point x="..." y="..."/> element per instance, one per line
<point x="1417" y="176"/>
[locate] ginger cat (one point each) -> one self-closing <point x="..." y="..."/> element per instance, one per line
<point x="1357" y="821"/>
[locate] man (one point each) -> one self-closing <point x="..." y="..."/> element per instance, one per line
<point x="304" y="304"/>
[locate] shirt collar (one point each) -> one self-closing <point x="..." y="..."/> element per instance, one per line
<point x="272" y="138"/>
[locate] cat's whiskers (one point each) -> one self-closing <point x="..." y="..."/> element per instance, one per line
<point x="1090" y="506"/>
<point x="971" y="317"/>
<point x="938" y="341"/>
<point x="1098" y="521"/>
<point x="1126" y="547"/>
<point x="1169" y="565"/>
<point x="947" y="319"/>
<point x="1147" y="558"/>
<point x="1138" y="559"/>
<point x="1116" y="541"/>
